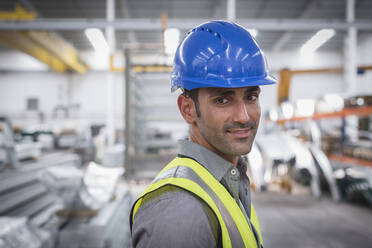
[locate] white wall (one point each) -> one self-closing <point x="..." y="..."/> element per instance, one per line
<point x="22" y="77"/>
<point x="90" y="91"/>
<point x="52" y="89"/>
<point x="304" y="85"/>
<point x="16" y="87"/>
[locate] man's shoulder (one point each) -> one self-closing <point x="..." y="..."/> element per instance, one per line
<point x="173" y="214"/>
<point x="167" y="195"/>
<point x="175" y="200"/>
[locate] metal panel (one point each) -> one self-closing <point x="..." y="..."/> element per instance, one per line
<point x="16" y="198"/>
<point x="9" y="182"/>
<point x="34" y="207"/>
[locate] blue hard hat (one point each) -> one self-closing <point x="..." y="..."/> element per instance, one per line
<point x="219" y="54"/>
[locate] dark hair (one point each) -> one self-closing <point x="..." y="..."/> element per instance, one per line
<point x="193" y="94"/>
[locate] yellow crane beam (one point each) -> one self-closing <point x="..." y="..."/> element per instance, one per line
<point x="285" y="76"/>
<point x="46" y="47"/>
<point x="60" y="48"/>
<point x="19" y="13"/>
<point x="21" y="41"/>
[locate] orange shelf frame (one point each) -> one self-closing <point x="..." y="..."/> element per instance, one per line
<point x="346" y="159"/>
<point x="358" y="111"/>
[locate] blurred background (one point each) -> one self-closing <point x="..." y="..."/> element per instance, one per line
<point x="87" y="118"/>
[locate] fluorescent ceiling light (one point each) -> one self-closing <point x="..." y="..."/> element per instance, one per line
<point x="171" y="40"/>
<point x="317" y="40"/>
<point x="253" y="32"/>
<point x="98" y="41"/>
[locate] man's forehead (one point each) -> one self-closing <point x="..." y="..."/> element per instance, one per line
<point x="218" y="91"/>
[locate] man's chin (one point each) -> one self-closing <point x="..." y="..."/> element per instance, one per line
<point x="239" y="151"/>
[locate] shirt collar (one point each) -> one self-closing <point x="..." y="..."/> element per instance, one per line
<point x="215" y="164"/>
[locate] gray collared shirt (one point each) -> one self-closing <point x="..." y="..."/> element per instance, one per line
<point x="174" y="218"/>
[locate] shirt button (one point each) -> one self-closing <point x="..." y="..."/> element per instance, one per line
<point x="233" y="172"/>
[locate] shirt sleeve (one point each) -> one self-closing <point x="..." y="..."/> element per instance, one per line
<point x="174" y="219"/>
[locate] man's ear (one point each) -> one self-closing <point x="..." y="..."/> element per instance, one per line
<point x="187" y="108"/>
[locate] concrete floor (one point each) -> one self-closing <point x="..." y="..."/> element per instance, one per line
<point x="301" y="221"/>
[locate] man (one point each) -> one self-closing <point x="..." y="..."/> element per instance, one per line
<point x="202" y="197"/>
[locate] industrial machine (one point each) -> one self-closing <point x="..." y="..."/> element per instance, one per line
<point x="11" y="152"/>
<point x="286" y="158"/>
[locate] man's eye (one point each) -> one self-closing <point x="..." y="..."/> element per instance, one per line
<point x="252" y="98"/>
<point x="221" y="100"/>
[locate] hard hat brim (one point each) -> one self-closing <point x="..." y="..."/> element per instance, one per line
<point x="193" y="83"/>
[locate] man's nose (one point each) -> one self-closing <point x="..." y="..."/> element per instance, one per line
<point x="241" y="114"/>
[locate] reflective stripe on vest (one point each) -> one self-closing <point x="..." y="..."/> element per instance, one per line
<point x="191" y="176"/>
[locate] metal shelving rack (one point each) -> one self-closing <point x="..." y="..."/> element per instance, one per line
<point x="360" y="111"/>
<point x="357" y="111"/>
<point x="151" y="120"/>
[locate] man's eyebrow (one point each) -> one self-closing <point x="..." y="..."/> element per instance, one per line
<point x="254" y="88"/>
<point x="222" y="92"/>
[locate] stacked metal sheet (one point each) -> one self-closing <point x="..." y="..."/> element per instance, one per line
<point x="63" y="181"/>
<point x="51" y="196"/>
<point x="100" y="218"/>
<point x="22" y="194"/>
<point x="109" y="228"/>
<point x="114" y="156"/>
<point x="16" y="233"/>
<point x="98" y="185"/>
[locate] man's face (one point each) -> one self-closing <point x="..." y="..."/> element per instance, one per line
<point x="229" y="118"/>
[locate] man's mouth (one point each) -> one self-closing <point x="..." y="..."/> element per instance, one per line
<point x="240" y="132"/>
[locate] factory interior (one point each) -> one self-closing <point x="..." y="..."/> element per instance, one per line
<point x="87" y="117"/>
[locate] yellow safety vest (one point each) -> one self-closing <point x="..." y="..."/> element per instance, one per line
<point x="189" y="175"/>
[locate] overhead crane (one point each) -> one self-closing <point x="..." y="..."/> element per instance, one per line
<point x="47" y="47"/>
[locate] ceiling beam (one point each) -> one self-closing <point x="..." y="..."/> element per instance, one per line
<point x="124" y="7"/>
<point x="148" y="24"/>
<point x="22" y="41"/>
